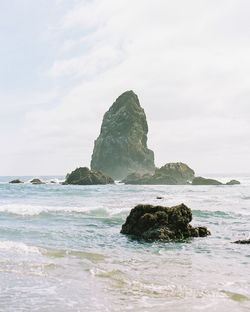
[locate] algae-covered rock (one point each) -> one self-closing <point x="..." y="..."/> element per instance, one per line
<point x="233" y="182"/>
<point x="37" y="181"/>
<point x="121" y="147"/>
<point x="204" y="181"/>
<point x="16" y="181"/>
<point x="170" y="174"/>
<point x="243" y="241"/>
<point x="161" y="223"/>
<point x="84" y="176"/>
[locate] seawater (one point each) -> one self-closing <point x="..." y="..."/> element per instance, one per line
<point x="61" y="249"/>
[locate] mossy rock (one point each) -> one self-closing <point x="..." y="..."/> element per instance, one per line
<point x="233" y="182"/>
<point x="16" y="181"/>
<point x="36" y="181"/>
<point x="243" y="241"/>
<point x="84" y="176"/>
<point x="161" y="223"/>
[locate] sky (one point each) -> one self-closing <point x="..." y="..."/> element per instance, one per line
<point x="63" y="63"/>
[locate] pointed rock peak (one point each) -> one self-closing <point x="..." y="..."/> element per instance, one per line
<point x="128" y="95"/>
<point x="126" y="100"/>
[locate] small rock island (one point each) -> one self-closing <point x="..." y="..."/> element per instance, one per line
<point x="84" y="176"/>
<point x="16" y="181"/>
<point x="36" y="182"/>
<point x="152" y="223"/>
<point x="170" y="174"/>
<point x="242" y="241"/>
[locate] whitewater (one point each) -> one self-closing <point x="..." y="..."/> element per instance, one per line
<point x="61" y="249"/>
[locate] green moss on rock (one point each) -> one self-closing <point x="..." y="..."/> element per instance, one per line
<point x="162" y="223"/>
<point x="16" y="181"/>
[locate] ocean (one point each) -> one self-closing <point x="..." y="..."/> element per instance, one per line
<point x="61" y="249"/>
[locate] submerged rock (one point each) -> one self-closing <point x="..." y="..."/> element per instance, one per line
<point x="233" y="182"/>
<point x="170" y="174"/>
<point x="204" y="181"/>
<point x="16" y="181"/>
<point x="121" y="147"/>
<point x="37" y="181"/>
<point x="243" y="241"/>
<point x="84" y="176"/>
<point x="161" y="223"/>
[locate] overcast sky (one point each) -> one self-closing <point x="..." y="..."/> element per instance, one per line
<point x="63" y="63"/>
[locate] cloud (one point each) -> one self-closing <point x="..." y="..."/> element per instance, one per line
<point x="188" y="61"/>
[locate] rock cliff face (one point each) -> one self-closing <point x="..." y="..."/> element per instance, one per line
<point x="121" y="147"/>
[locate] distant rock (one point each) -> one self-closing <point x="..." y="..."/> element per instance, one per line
<point x="233" y="182"/>
<point x="161" y="223"/>
<point x="36" y="181"/>
<point x="243" y="241"/>
<point x="121" y="147"/>
<point x="84" y="176"/>
<point x="170" y="174"/>
<point x="16" y="181"/>
<point x="178" y="171"/>
<point x="204" y="181"/>
<point x="137" y="178"/>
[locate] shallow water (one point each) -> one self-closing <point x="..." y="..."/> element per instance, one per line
<point x="61" y="250"/>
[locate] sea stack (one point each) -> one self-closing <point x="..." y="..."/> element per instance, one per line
<point x="121" y="147"/>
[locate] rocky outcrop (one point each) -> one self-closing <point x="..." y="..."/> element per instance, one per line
<point x="161" y="223"/>
<point x="147" y="179"/>
<point x="121" y="147"/>
<point x="233" y="182"/>
<point x="84" y="176"/>
<point x="179" y="171"/>
<point x="204" y="181"/>
<point x="243" y="241"/>
<point x="16" y="181"/>
<point x="36" y="181"/>
<point x="170" y="174"/>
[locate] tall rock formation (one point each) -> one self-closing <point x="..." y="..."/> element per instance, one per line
<point x="121" y="147"/>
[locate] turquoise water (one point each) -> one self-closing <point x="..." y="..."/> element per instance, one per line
<point x="61" y="250"/>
